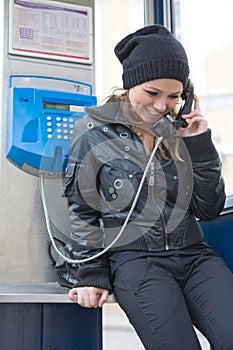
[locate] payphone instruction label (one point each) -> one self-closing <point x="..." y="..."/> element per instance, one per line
<point x="57" y="31"/>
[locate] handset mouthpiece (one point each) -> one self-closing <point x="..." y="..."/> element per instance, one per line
<point x="164" y="127"/>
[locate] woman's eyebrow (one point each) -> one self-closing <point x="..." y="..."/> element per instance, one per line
<point x="154" y="88"/>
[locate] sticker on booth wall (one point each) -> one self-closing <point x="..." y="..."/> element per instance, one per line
<point x="52" y="30"/>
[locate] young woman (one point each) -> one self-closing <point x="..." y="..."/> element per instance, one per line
<point x="162" y="272"/>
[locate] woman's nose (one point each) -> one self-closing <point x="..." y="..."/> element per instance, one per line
<point x="160" y="105"/>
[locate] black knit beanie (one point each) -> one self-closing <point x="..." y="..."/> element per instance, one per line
<point x="151" y="53"/>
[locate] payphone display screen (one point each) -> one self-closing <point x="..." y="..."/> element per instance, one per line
<point x="58" y="106"/>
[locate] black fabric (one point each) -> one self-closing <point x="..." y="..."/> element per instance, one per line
<point x="120" y="257"/>
<point x="164" y="296"/>
<point x="66" y="272"/>
<point x="199" y="182"/>
<point x="152" y="53"/>
<point x="200" y="147"/>
<point x="70" y="275"/>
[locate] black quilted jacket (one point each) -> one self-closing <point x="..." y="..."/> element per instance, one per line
<point x="105" y="166"/>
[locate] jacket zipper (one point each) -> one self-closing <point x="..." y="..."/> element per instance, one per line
<point x="165" y="231"/>
<point x="152" y="183"/>
<point x="152" y="174"/>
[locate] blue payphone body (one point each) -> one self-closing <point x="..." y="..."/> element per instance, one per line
<point x="41" y="116"/>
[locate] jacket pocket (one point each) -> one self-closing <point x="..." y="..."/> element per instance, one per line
<point x="69" y="179"/>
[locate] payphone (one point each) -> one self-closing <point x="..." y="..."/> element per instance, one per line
<point x="48" y="73"/>
<point x="41" y="115"/>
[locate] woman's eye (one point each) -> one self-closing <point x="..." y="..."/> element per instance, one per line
<point x="174" y="97"/>
<point x="151" y="93"/>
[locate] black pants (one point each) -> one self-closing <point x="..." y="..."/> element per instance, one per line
<point x="164" y="297"/>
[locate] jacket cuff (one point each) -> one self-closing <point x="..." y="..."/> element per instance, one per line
<point x="93" y="277"/>
<point x="201" y="148"/>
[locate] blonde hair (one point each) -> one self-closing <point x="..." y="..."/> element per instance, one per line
<point x="169" y="145"/>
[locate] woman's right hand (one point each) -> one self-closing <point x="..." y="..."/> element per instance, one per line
<point x="89" y="296"/>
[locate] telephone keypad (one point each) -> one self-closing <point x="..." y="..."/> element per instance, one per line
<point x="59" y="127"/>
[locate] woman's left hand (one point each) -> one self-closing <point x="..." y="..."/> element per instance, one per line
<point x="197" y="124"/>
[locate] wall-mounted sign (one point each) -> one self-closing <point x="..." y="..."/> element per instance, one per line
<point x="52" y="30"/>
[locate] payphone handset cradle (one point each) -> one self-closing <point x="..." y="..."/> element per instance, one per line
<point x="41" y="115"/>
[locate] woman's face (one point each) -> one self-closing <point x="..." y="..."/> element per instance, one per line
<point x="156" y="98"/>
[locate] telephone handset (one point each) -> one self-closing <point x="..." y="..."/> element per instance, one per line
<point x="187" y="97"/>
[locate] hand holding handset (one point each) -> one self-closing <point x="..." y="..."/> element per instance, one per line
<point x="166" y="126"/>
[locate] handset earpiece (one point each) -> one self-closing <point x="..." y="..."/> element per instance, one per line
<point x="187" y="97"/>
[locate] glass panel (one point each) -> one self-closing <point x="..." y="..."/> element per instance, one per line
<point x="205" y="29"/>
<point x="113" y="20"/>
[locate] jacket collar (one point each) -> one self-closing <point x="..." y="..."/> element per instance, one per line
<point x="109" y="112"/>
